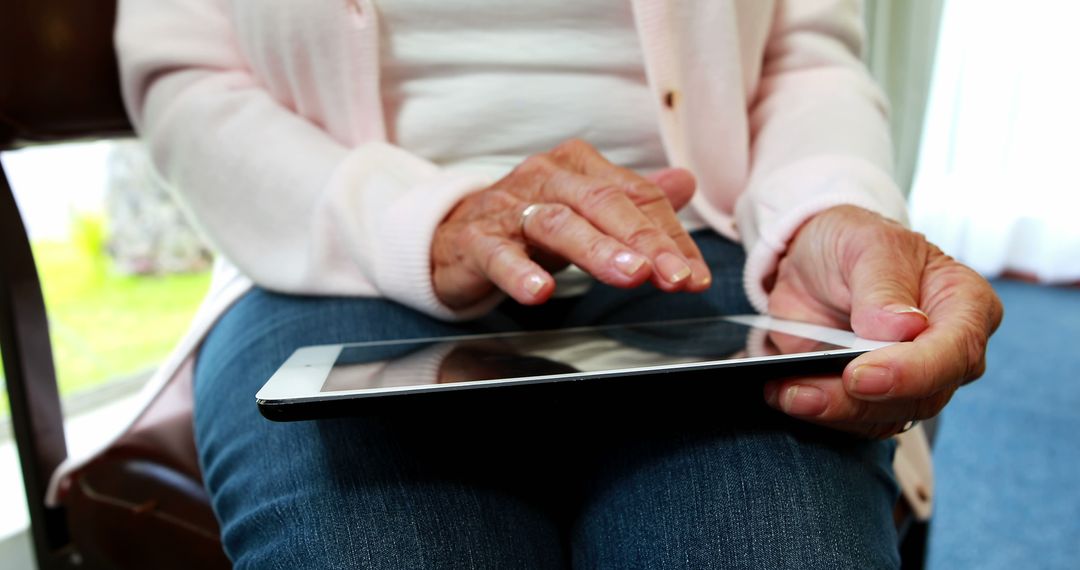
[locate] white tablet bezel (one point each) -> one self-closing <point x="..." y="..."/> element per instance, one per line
<point x="301" y="377"/>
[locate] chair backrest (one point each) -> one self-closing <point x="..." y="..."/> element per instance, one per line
<point x="58" y="73"/>
<point x="58" y="81"/>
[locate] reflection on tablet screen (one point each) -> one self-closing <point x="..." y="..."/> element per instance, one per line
<point x="384" y="365"/>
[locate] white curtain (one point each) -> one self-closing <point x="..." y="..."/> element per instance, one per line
<point x="902" y="37"/>
<point x="997" y="183"/>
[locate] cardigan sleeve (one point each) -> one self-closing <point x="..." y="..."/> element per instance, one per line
<point x="819" y="131"/>
<point x="295" y="209"/>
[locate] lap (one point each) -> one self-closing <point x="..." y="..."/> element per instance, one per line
<point x="586" y="484"/>
<point x="737" y="496"/>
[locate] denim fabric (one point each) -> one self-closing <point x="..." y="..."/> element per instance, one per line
<point x="597" y="481"/>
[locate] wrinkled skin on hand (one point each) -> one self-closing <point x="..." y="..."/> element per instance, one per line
<point x="569" y="205"/>
<point x="850" y="268"/>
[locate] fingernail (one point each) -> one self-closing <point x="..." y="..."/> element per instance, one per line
<point x="628" y="262"/>
<point x="804" y="401"/>
<point x="905" y="309"/>
<point x="672" y="269"/>
<point x="702" y="277"/>
<point x="534" y="283"/>
<point x="872" y="380"/>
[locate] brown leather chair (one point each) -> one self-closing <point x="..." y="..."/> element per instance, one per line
<point x="141" y="504"/>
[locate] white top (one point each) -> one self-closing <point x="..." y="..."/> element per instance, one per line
<point x="479" y="85"/>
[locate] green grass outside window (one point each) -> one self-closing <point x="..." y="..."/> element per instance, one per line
<point x="105" y="325"/>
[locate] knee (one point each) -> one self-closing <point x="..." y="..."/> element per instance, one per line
<point x="748" y="500"/>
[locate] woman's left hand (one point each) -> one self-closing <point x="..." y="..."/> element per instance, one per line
<point x="848" y="267"/>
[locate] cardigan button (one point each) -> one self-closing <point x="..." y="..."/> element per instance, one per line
<point x="670" y="99"/>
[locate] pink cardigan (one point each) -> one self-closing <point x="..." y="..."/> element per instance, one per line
<point x="267" y="116"/>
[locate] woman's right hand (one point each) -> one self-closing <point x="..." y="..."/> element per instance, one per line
<point x="569" y="205"/>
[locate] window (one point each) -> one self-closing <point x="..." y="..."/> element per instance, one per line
<point x="122" y="273"/>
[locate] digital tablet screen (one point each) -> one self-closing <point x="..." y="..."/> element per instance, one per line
<point x="389" y="365"/>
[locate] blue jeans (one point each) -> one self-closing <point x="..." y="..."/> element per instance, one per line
<point x="600" y="482"/>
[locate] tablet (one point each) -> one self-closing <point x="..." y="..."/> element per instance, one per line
<point x="662" y="357"/>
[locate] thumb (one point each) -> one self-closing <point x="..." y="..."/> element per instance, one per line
<point x="885" y="295"/>
<point x="677" y="183"/>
